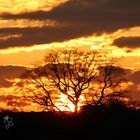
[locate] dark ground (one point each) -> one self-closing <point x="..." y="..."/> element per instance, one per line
<point x="93" y="123"/>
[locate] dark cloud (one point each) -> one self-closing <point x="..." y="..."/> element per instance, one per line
<point x="135" y="77"/>
<point x="134" y="90"/>
<point x="33" y="36"/>
<point x="130" y="42"/>
<point x="79" y="17"/>
<point x="5" y="83"/>
<point x="8" y="73"/>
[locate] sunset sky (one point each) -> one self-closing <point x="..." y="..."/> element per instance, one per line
<point x="28" y="28"/>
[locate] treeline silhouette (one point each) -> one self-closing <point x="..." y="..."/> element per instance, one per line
<point x="93" y="122"/>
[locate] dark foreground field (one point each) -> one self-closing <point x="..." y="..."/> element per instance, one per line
<point x="93" y="123"/>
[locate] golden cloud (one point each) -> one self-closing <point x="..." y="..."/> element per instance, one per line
<point x="21" y="6"/>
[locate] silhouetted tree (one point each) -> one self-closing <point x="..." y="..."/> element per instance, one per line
<point x="72" y="73"/>
<point x="111" y="82"/>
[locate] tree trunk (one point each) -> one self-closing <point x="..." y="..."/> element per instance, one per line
<point x="76" y="106"/>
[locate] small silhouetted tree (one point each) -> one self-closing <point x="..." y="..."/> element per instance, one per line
<point x="111" y="83"/>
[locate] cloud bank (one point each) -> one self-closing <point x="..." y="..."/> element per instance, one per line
<point x="75" y="18"/>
